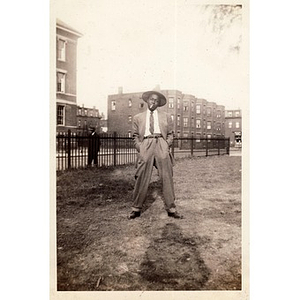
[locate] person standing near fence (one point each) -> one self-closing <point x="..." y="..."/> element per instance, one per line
<point x="93" y="147"/>
<point x="153" y="136"/>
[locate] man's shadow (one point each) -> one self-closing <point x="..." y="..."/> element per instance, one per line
<point x="173" y="261"/>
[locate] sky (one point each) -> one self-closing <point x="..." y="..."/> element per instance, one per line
<point x="177" y="44"/>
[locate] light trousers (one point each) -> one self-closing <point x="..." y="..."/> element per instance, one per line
<point x="154" y="149"/>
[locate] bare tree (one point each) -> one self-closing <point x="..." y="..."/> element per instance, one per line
<point x="225" y="22"/>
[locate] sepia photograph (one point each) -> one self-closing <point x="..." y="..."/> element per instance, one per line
<point x="149" y="108"/>
<point x="150" y="150"/>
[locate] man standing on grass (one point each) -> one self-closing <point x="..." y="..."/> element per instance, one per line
<point x="93" y="147"/>
<point x="153" y="135"/>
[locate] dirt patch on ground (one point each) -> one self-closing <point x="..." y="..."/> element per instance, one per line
<point x="99" y="249"/>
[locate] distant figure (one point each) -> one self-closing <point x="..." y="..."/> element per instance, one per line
<point x="94" y="146"/>
<point x="153" y="136"/>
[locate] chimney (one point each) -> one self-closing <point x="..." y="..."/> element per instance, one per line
<point x="157" y="88"/>
<point x="120" y="90"/>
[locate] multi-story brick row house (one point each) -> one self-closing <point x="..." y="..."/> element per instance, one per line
<point x="66" y="66"/>
<point x="233" y="127"/>
<point x="192" y="116"/>
<point x="87" y="117"/>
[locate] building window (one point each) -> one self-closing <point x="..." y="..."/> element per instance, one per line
<point x="185" y="135"/>
<point x="85" y="112"/>
<point x="113" y="105"/>
<point x="129" y="133"/>
<point x="79" y="111"/>
<point x="237" y="113"/>
<point x="62" y="49"/>
<point x="192" y="105"/>
<point x="129" y="102"/>
<point x="208" y="125"/>
<point x="218" y="127"/>
<point x="230" y="125"/>
<point x="79" y="123"/>
<point x="237" y="124"/>
<point x="198" y="108"/>
<point x="185" y="106"/>
<point x="209" y="112"/>
<point x="229" y="114"/>
<point x="61" y="82"/>
<point x="129" y="118"/>
<point x="218" y="114"/>
<point x="171" y="102"/>
<point x="198" y="136"/>
<point x="178" y="120"/>
<point x="178" y="103"/>
<point x="172" y="117"/>
<point x="178" y="133"/>
<point x="198" y="123"/>
<point x="60" y="115"/>
<point x="185" y="122"/>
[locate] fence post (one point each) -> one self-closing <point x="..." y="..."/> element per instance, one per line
<point x="206" y="147"/>
<point x="192" y="145"/>
<point x="228" y="146"/>
<point x="115" y="148"/>
<point x="69" y="149"/>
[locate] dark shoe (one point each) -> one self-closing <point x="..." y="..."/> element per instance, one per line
<point x="134" y="214"/>
<point x="175" y="215"/>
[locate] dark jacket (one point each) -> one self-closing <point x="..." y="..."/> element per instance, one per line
<point x="94" y="143"/>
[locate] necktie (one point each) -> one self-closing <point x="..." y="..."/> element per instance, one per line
<point x="151" y="129"/>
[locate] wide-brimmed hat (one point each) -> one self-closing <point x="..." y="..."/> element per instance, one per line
<point x="161" y="97"/>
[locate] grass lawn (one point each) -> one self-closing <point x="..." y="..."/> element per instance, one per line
<point x="99" y="249"/>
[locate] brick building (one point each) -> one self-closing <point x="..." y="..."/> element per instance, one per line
<point x="191" y="115"/>
<point x="233" y="127"/>
<point x="66" y="65"/>
<point x="87" y="117"/>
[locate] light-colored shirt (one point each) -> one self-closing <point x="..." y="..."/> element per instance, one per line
<point x="156" y="124"/>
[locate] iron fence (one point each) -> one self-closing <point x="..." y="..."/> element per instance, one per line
<point x="72" y="149"/>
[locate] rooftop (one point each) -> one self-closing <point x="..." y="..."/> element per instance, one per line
<point x="63" y="25"/>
